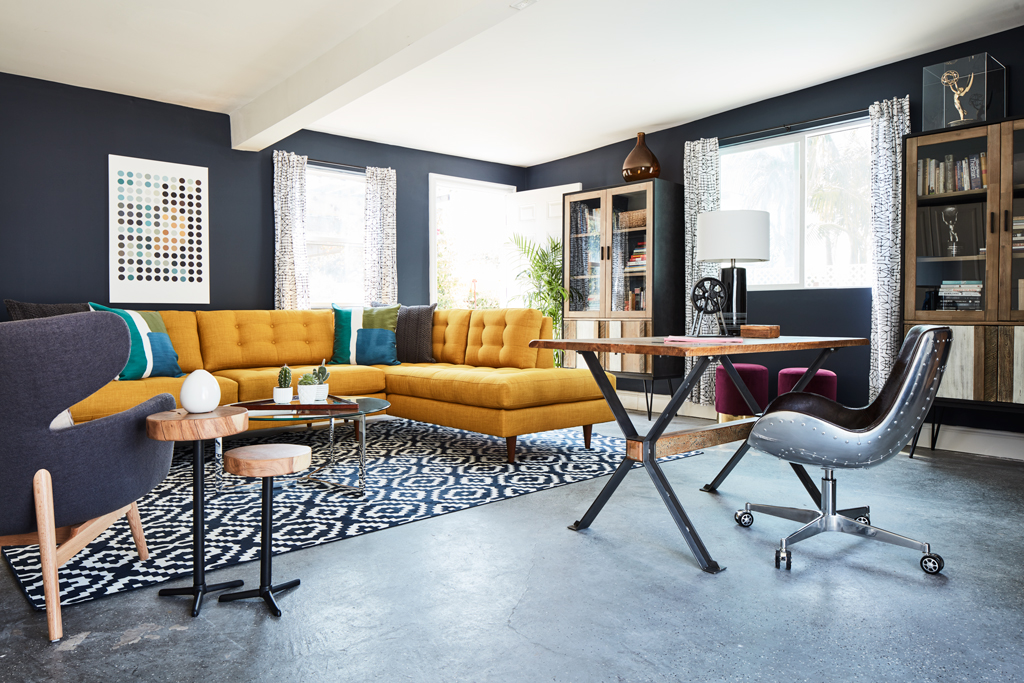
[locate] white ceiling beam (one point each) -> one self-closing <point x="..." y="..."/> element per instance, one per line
<point x="409" y="34"/>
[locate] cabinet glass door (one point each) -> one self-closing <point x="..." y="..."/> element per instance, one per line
<point x="1013" y="223"/>
<point x="583" y="237"/>
<point x="631" y="250"/>
<point x="951" y="258"/>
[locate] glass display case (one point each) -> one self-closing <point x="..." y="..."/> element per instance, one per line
<point x="963" y="91"/>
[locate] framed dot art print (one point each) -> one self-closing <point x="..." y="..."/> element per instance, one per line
<point x="159" y="232"/>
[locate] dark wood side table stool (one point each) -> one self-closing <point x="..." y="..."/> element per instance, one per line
<point x="181" y="425"/>
<point x="266" y="461"/>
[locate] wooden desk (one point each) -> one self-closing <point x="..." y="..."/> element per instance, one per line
<point x="648" y="448"/>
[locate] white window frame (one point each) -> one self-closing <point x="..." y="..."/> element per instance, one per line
<point x="334" y="241"/>
<point x="800" y="137"/>
<point x="432" y="181"/>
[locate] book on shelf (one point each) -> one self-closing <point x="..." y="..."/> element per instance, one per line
<point x="949" y="175"/>
<point x="984" y="170"/>
<point x="975" y="166"/>
<point x="942" y="176"/>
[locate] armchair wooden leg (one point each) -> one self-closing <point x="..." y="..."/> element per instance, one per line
<point x="587" y="431"/>
<point x="510" y="444"/>
<point x="42" y="487"/>
<point x="135" y="522"/>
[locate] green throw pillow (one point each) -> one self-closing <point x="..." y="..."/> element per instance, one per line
<point x="141" y="358"/>
<point x="381" y="317"/>
<point x="348" y="322"/>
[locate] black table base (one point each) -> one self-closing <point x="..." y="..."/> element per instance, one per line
<point x="198" y="588"/>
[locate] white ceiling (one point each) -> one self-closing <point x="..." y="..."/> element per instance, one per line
<point x="557" y="78"/>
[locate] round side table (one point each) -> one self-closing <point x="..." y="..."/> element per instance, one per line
<point x="180" y="425"/>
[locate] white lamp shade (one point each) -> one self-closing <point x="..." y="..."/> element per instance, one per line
<point x="741" y="236"/>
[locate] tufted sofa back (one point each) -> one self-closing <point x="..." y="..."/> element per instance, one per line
<point x="252" y="339"/>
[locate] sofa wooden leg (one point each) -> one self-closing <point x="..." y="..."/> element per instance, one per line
<point x="510" y="444"/>
<point x="135" y="522"/>
<point x="42" y="487"/>
<point x="588" y="430"/>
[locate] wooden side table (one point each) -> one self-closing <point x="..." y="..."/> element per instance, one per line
<point x="180" y="425"/>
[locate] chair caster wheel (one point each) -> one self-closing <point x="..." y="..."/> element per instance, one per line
<point x="743" y="518"/>
<point x="932" y="563"/>
<point x="863" y="519"/>
<point x="783" y="556"/>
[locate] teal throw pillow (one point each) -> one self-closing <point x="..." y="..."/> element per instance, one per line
<point x="165" y="358"/>
<point x="376" y="347"/>
<point x="140" y="357"/>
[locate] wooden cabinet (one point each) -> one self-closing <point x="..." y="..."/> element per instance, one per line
<point x="624" y="269"/>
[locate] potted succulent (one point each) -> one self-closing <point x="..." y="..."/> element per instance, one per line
<point x="322" y="375"/>
<point x="307" y="388"/>
<point x="283" y="390"/>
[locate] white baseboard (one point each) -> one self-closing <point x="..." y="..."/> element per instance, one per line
<point x="978" y="441"/>
<point x="634" y="400"/>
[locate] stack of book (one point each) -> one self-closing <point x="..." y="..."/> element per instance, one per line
<point x="960" y="295"/>
<point x="637" y="264"/>
<point x="939" y="176"/>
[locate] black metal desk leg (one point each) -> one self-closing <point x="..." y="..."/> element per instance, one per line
<point x="609" y="488"/>
<point x="733" y="461"/>
<point x="752" y="405"/>
<point x="198" y="587"/>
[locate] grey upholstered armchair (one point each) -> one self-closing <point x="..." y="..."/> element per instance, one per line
<point x="66" y="486"/>
<point x="812" y="430"/>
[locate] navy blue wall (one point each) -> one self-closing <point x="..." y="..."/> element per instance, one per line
<point x="54" y="142"/>
<point x="843" y="312"/>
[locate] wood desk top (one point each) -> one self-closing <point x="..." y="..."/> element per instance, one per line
<point x="655" y="346"/>
<point x="181" y="425"/>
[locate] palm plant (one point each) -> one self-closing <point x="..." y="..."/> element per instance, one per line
<point x="543" y="278"/>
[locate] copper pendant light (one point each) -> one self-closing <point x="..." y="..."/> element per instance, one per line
<point x="641" y="164"/>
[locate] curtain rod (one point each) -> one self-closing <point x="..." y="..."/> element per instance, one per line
<point x="335" y="163"/>
<point x="789" y="126"/>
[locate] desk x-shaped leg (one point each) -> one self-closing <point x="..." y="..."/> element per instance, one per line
<point x="756" y="409"/>
<point x="643" y="448"/>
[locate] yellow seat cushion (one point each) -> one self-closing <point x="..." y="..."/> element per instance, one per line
<point x="260" y="339"/>
<point x="345" y="380"/>
<point x="500" y="338"/>
<point x="116" y="397"/>
<point x="498" y="388"/>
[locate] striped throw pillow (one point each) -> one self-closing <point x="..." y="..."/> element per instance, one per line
<point x="145" y="359"/>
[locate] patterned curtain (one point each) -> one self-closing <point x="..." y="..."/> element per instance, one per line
<point x="890" y="121"/>
<point x="291" y="267"/>
<point x="701" y="194"/>
<point x="380" y="281"/>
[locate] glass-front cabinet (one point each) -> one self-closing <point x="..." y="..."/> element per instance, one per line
<point x="1011" y="234"/>
<point x="609" y="253"/>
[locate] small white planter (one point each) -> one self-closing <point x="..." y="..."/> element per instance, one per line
<point x="321" y="391"/>
<point x="307" y="393"/>
<point x="283" y="394"/>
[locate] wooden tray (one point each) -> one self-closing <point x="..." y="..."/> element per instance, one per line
<point x="334" y="404"/>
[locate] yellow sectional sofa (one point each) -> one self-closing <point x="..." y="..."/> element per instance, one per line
<point x="487" y="378"/>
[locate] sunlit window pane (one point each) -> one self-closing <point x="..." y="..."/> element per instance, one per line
<point x="768" y="179"/>
<point x="334" y="235"/>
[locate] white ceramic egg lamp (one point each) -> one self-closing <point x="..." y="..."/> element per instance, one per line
<point x="200" y="392"/>
<point x="736" y="237"/>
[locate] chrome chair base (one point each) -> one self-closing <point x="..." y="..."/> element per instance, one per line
<point x="827" y="519"/>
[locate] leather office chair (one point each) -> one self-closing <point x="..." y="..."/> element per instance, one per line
<point x="812" y="430"/>
<point x="66" y="486"/>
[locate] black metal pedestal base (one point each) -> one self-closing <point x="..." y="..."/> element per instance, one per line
<point x="266" y="589"/>
<point x="198" y="588"/>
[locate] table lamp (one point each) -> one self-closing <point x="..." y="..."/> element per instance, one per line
<point x="736" y="237"/>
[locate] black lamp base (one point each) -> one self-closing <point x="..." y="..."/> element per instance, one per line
<point x="735" y="309"/>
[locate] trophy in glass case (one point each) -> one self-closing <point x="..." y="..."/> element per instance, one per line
<point x="963" y="91"/>
<point x="949" y="216"/>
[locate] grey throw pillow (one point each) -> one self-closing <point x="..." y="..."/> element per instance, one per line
<point x="19" y="310"/>
<point x="414" y="335"/>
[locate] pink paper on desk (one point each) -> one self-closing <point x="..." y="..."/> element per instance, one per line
<point x="703" y="340"/>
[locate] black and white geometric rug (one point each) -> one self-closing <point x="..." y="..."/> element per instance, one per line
<point x="414" y="471"/>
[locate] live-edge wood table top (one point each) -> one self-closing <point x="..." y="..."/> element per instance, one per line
<point x="656" y="346"/>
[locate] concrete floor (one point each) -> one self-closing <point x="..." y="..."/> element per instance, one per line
<point x="505" y="592"/>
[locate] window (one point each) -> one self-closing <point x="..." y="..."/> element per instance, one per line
<point x="817" y="187"/>
<point x="471" y="261"/>
<point x="334" y="235"/>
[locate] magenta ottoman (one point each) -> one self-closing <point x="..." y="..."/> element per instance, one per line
<point x="823" y="384"/>
<point x="728" y="400"/>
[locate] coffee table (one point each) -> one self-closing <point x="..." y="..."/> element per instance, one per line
<point x="334" y="408"/>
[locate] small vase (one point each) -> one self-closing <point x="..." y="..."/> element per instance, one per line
<point x="322" y="391"/>
<point x="200" y="392"/>
<point x="641" y="164"/>
<point x="307" y="393"/>
<point x="283" y="394"/>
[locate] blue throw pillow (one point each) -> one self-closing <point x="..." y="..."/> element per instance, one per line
<point x="165" y="358"/>
<point x="376" y="347"/>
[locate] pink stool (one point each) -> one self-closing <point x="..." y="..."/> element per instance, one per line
<point x="728" y="401"/>
<point x="823" y="384"/>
